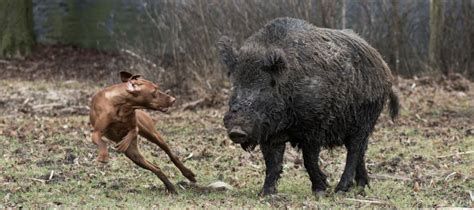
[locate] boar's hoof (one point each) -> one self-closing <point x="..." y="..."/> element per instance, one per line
<point x="267" y="191"/>
<point x="319" y="192"/>
<point x="343" y="186"/>
<point x="362" y="182"/>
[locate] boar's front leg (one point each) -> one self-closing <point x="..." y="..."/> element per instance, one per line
<point x="273" y="155"/>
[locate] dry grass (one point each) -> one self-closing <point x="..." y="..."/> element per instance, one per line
<point x="422" y="160"/>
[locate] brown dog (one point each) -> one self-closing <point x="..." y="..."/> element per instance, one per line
<point x="114" y="115"/>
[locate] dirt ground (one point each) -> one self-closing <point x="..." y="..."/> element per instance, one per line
<point x="424" y="159"/>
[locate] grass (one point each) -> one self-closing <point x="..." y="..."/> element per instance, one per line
<point x="403" y="160"/>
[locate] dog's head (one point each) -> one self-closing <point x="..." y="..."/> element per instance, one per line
<point x="146" y="94"/>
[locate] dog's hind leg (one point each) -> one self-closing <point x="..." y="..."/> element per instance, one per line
<point x="147" y="130"/>
<point x="134" y="154"/>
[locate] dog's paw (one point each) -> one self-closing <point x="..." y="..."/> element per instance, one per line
<point x="189" y="174"/>
<point x="122" y="146"/>
<point x="103" y="159"/>
<point x="171" y="190"/>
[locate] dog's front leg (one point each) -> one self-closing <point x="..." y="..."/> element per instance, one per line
<point x="123" y="145"/>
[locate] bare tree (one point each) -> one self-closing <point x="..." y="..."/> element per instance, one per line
<point x="468" y="36"/>
<point x="343" y="14"/>
<point x="329" y="10"/>
<point x="397" y="34"/>
<point x="179" y="36"/>
<point x="436" y="30"/>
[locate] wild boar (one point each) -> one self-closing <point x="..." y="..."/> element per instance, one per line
<point x="313" y="87"/>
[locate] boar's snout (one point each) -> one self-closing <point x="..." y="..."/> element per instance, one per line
<point x="237" y="135"/>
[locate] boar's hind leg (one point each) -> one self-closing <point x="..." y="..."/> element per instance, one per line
<point x="355" y="154"/>
<point x="273" y="155"/>
<point x="317" y="177"/>
<point x="361" y="176"/>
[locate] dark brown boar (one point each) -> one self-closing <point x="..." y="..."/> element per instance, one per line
<point x="313" y="87"/>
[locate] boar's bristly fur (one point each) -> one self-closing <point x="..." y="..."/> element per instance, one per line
<point x="313" y="87"/>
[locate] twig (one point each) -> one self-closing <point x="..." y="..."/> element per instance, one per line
<point x="51" y="175"/>
<point x="368" y="201"/>
<point x="25" y="102"/>
<point x="9" y="116"/>
<point x="450" y="175"/>
<point x="255" y="166"/>
<point x="215" y="160"/>
<point x="188" y="157"/>
<point x="385" y="177"/>
<point x="38" y="180"/>
<point x="139" y="57"/>
<point x="456" y="154"/>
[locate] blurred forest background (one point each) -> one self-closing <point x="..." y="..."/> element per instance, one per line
<point x="173" y="41"/>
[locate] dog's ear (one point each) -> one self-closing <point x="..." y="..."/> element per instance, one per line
<point x="136" y="76"/>
<point x="132" y="87"/>
<point x="125" y="76"/>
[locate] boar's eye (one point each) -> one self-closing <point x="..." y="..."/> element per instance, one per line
<point x="272" y="83"/>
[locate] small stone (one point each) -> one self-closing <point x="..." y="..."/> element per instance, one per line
<point x="220" y="185"/>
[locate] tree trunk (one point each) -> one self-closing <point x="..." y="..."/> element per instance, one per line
<point x="397" y="32"/>
<point x="343" y="14"/>
<point x="323" y="12"/>
<point x="436" y="30"/>
<point x="468" y="37"/>
<point x="16" y="28"/>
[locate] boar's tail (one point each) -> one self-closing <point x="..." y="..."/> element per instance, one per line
<point x="394" y="104"/>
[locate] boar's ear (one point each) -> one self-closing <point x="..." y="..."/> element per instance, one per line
<point x="274" y="62"/>
<point x="227" y="52"/>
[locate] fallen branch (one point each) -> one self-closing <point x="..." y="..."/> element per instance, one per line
<point x="456" y="154"/>
<point x="75" y="109"/>
<point x="368" y="201"/>
<point x="51" y="105"/>
<point x="387" y="177"/>
<point x="193" y="104"/>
